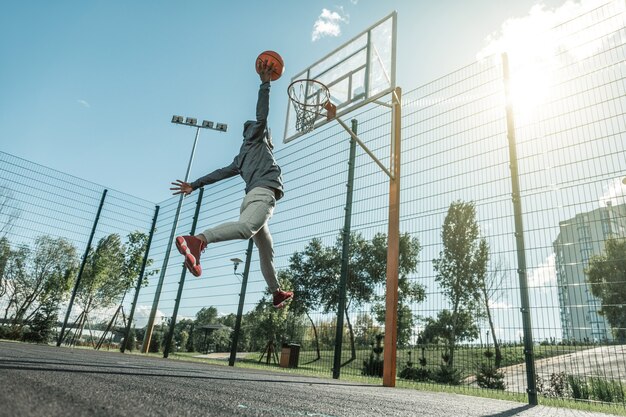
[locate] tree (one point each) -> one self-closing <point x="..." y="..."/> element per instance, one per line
<point x="135" y="249"/>
<point x="5" y="254"/>
<point x="40" y="275"/>
<point x="207" y="315"/>
<point x="315" y="274"/>
<point x="305" y="269"/>
<point x="607" y="277"/>
<point x="103" y="279"/>
<point x="43" y="322"/>
<point x="9" y="211"/>
<point x="490" y="286"/>
<point x="408" y="292"/>
<point x="365" y="330"/>
<point x="460" y="268"/>
<point x="267" y="324"/>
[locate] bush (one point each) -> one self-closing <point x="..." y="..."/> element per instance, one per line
<point x="490" y="377"/>
<point x="10" y="332"/>
<point x="374" y="365"/>
<point x="606" y="390"/>
<point x="447" y="374"/>
<point x="416" y="374"/>
<point x="579" y="387"/>
<point x="558" y="385"/>
<point x="132" y="341"/>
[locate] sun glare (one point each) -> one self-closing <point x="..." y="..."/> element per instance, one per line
<point x="540" y="44"/>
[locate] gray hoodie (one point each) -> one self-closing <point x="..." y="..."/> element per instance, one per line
<point x="255" y="161"/>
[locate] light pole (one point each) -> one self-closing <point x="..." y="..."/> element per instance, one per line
<point x="192" y="122"/>
<point x="242" y="297"/>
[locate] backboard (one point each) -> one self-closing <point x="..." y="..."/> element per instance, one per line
<point x="359" y="72"/>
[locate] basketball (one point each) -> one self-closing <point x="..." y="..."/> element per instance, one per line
<point x="271" y="57"/>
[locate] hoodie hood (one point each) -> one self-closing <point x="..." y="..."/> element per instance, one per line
<point x="246" y="126"/>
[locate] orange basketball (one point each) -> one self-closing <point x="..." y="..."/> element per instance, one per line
<point x="271" y="57"/>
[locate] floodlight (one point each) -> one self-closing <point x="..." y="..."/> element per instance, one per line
<point x="177" y="119"/>
<point x="236" y="262"/>
<point x="221" y="126"/>
<point x="206" y="124"/>
<point x="191" y="121"/>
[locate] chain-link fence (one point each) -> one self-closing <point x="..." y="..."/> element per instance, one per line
<point x="48" y="221"/>
<point x="464" y="263"/>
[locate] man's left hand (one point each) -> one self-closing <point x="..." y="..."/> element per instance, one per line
<point x="265" y="70"/>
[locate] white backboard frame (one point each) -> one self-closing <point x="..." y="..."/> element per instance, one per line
<point x="358" y="72"/>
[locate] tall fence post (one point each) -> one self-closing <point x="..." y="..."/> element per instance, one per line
<point x="82" y="268"/>
<point x="242" y="298"/>
<point x="181" y="283"/>
<point x="345" y="255"/>
<point x="519" y="237"/>
<point x="139" y="281"/>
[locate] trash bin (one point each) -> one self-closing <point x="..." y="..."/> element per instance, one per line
<point x="289" y="355"/>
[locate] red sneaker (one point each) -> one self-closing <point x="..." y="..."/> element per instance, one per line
<point x="281" y="298"/>
<point x="191" y="247"/>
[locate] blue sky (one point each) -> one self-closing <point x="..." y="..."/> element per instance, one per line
<point x="89" y="87"/>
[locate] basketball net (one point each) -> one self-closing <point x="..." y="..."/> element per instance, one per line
<point x="309" y="107"/>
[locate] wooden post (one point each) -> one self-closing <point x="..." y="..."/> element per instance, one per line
<point x="393" y="248"/>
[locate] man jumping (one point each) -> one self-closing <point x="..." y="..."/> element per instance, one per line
<point x="264" y="186"/>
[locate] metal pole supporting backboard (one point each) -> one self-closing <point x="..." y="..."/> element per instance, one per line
<point x="393" y="246"/>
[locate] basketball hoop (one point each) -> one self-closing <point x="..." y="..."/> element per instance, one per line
<point x="310" y="98"/>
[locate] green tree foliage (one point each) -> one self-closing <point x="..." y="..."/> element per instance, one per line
<point x="9" y="210"/>
<point x="111" y="270"/>
<point x="315" y="274"/>
<point x="103" y="280"/>
<point x="207" y="315"/>
<point x="43" y="322"/>
<point x="460" y="269"/>
<point x="38" y="276"/>
<point x="182" y="331"/>
<point x="5" y="254"/>
<point x="490" y="287"/>
<point x="265" y="323"/>
<point x="135" y="250"/>
<point x="365" y="330"/>
<point x="607" y="277"/>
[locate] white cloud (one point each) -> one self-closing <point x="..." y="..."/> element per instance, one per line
<point x="328" y="24"/>
<point x="83" y="103"/>
<point x="142" y="314"/>
<point x="499" y="305"/>
<point x="615" y="192"/>
<point x="544" y="275"/>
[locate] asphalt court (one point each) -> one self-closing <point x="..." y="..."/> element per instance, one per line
<point x="40" y="380"/>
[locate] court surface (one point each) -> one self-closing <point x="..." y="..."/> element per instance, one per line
<point x="38" y="380"/>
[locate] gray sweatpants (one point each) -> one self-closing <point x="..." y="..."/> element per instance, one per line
<point x="256" y="209"/>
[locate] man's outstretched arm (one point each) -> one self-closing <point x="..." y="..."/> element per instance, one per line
<point x="182" y="187"/>
<point x="263" y="102"/>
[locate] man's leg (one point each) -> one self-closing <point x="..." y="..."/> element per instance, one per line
<point x="263" y="241"/>
<point x="256" y="209"/>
